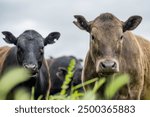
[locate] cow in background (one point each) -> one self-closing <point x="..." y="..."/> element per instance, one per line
<point x="58" y="70"/>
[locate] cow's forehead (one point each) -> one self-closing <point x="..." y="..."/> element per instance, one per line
<point x="30" y="35"/>
<point x="106" y="20"/>
<point x="107" y="17"/>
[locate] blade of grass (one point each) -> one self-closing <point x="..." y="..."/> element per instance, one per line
<point x="98" y="84"/>
<point x="89" y="95"/>
<point x="11" y="79"/>
<point x="40" y="97"/>
<point x="22" y="94"/>
<point x="115" y="85"/>
<point x="84" y="84"/>
<point x="32" y="93"/>
<point x="68" y="77"/>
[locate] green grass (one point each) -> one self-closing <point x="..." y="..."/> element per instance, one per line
<point x="18" y="75"/>
<point x="11" y="79"/>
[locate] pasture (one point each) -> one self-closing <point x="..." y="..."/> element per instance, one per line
<point x="74" y="50"/>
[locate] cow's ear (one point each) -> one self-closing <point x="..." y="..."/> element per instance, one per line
<point x="61" y="73"/>
<point x="132" y="23"/>
<point x="82" y="23"/>
<point x="9" y="37"/>
<point x="50" y="39"/>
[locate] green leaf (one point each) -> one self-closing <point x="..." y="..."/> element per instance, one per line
<point x="11" y="79"/>
<point x="89" y="95"/>
<point x="115" y="85"/>
<point x="68" y="77"/>
<point x="85" y="83"/>
<point x="22" y="94"/>
<point x="98" y="84"/>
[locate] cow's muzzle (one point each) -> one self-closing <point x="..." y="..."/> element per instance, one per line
<point x="108" y="67"/>
<point x="32" y="68"/>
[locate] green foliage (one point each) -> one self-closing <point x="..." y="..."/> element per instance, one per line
<point x="22" y="94"/>
<point x="18" y="75"/>
<point x="68" y="77"/>
<point x="32" y="93"/>
<point x="89" y="95"/>
<point x="11" y="79"/>
<point x="98" y="84"/>
<point x="115" y="85"/>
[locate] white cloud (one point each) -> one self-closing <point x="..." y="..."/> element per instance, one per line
<point x="57" y="15"/>
<point x="25" y="24"/>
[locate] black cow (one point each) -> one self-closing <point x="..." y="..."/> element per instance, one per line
<point x="29" y="53"/>
<point x="58" y="70"/>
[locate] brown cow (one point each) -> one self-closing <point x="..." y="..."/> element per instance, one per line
<point x="3" y="53"/>
<point x="114" y="49"/>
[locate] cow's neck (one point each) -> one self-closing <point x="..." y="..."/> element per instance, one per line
<point x="42" y="81"/>
<point x="89" y="67"/>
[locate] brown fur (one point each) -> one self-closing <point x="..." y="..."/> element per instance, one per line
<point x="132" y="53"/>
<point x="3" y="53"/>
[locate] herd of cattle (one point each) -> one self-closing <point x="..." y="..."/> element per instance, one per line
<point x="114" y="49"/>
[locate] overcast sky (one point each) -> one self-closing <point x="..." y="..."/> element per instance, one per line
<point x="46" y="16"/>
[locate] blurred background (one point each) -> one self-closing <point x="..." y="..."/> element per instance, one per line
<point x="46" y="16"/>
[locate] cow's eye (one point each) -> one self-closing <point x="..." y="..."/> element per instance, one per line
<point x="93" y="37"/>
<point x="41" y="50"/>
<point x="121" y="37"/>
<point x="20" y="49"/>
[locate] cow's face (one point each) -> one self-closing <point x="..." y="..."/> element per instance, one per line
<point x="30" y="48"/>
<point x="106" y="38"/>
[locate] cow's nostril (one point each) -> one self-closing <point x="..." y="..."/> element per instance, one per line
<point x="103" y="65"/>
<point x="114" y="65"/>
